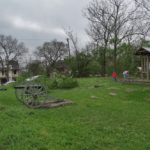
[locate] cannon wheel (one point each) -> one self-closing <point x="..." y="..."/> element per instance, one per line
<point x="31" y="94"/>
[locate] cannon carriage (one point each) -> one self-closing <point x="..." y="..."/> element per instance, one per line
<point x="35" y="95"/>
<point x="31" y="93"/>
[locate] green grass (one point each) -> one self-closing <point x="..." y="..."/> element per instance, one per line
<point x="96" y="121"/>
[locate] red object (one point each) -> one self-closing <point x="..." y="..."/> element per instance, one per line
<point x="114" y="74"/>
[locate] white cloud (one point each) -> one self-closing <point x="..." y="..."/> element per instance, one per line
<point x="21" y="23"/>
<point x="36" y="21"/>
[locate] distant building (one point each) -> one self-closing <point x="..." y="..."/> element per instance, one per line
<point x="13" y="73"/>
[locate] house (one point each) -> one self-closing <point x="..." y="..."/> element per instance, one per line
<point x="13" y="73"/>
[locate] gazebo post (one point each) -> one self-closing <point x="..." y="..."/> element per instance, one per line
<point x="142" y="66"/>
<point x="147" y="67"/>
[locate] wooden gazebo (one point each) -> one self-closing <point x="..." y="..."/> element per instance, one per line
<point x="144" y="53"/>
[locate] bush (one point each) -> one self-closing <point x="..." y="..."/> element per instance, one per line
<point x="62" y="83"/>
<point x="68" y="83"/>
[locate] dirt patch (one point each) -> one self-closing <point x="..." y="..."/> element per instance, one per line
<point x="94" y="97"/>
<point x="98" y="86"/>
<point x="113" y="94"/>
<point x="130" y="90"/>
<point x="112" y="88"/>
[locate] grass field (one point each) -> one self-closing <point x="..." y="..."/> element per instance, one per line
<point x="112" y="116"/>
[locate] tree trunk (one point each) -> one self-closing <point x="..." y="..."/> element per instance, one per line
<point x="2" y="63"/>
<point x="115" y="57"/>
<point x="103" y="73"/>
<point x="7" y="70"/>
<point x="77" y="65"/>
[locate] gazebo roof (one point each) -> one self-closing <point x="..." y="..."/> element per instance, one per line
<point x="143" y="51"/>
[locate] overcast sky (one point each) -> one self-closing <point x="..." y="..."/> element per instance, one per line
<point x="36" y="21"/>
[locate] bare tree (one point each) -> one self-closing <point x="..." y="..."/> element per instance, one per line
<point x="100" y="26"/>
<point x="10" y="50"/>
<point x="74" y="40"/>
<point x="50" y="53"/>
<point x="143" y="3"/>
<point x="110" y="22"/>
<point x="143" y="21"/>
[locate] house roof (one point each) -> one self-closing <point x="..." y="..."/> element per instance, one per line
<point x="143" y="51"/>
<point x="13" y="64"/>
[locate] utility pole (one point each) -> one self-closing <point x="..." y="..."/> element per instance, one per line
<point x="68" y="44"/>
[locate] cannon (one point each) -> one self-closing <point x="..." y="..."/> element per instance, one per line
<point x="35" y="95"/>
<point x="31" y="93"/>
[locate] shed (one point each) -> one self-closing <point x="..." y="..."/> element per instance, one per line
<point x="144" y="53"/>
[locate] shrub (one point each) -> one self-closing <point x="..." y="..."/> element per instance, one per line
<point x="52" y="84"/>
<point x="67" y="83"/>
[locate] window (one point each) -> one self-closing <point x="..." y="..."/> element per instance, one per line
<point x="3" y="72"/>
<point x="15" y="71"/>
